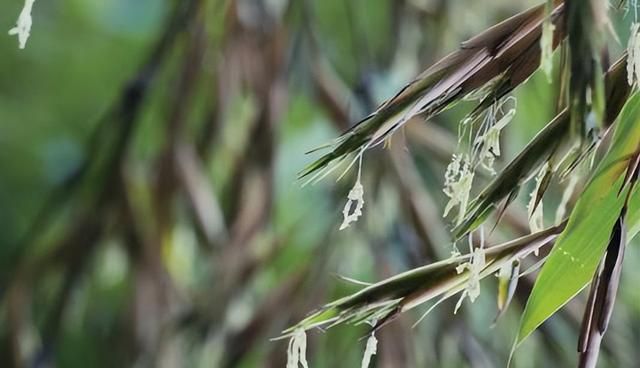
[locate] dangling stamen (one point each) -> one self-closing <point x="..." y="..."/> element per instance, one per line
<point x="297" y="351"/>
<point x="356" y="195"/>
<point x="633" y="55"/>
<point x="370" y="350"/>
<point x="23" y="25"/>
<point x="475" y="267"/>
<point x="490" y="141"/>
<point x="457" y="186"/>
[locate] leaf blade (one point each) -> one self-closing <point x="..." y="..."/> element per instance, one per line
<point x="577" y="252"/>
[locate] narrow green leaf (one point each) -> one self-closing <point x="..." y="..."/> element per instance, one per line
<point x="579" y="249"/>
<point x="633" y="214"/>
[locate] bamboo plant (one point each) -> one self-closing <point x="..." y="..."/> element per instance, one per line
<point x="595" y="135"/>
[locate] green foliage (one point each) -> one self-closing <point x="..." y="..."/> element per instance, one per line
<point x="149" y="208"/>
<point x="578" y="250"/>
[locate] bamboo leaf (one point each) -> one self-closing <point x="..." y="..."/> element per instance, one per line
<point x="507" y="53"/>
<point x="579" y="249"/>
<point x="633" y="216"/>
<point x="409" y="289"/>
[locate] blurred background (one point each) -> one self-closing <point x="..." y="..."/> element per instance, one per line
<point x="150" y="214"/>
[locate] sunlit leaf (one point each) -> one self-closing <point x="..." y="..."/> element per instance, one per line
<point x="633" y="215"/>
<point x="578" y="251"/>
